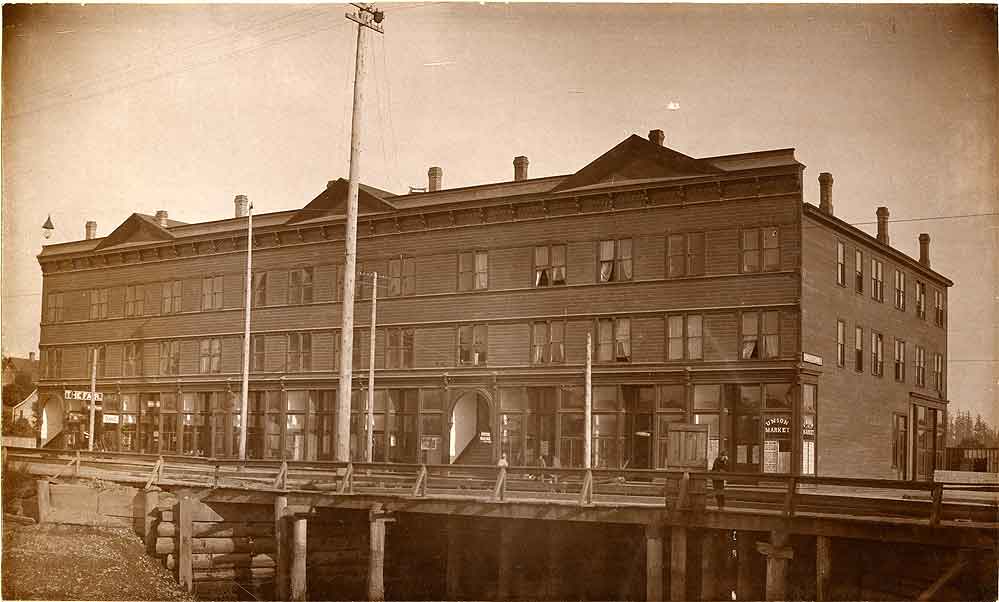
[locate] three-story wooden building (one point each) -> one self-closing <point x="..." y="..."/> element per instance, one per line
<point x="713" y="294"/>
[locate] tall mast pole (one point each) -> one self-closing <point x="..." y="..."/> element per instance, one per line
<point x="371" y="370"/>
<point x="93" y="396"/>
<point x="366" y="18"/>
<point x="588" y="405"/>
<point x="244" y="392"/>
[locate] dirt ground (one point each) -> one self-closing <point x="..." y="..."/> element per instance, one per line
<point x="70" y="562"/>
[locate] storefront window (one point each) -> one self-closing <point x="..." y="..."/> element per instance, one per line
<point x="604" y="398"/>
<point x="168" y="416"/>
<point x="295" y="423"/>
<point x="672" y="398"/>
<point x="779" y="396"/>
<point x="511" y="432"/>
<point x="605" y="441"/>
<point x="403" y="405"/>
<point x="571" y="445"/>
<point x="707" y="397"/>
<point x="777" y="443"/>
<point x="150" y="423"/>
<point x="664" y="422"/>
<point x="714" y="439"/>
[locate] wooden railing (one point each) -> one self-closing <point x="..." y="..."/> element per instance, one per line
<point x="679" y="491"/>
<point x="974" y="459"/>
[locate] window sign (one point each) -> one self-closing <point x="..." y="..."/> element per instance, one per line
<point x="777" y="425"/>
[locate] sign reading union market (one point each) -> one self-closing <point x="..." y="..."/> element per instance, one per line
<point x="777" y="425"/>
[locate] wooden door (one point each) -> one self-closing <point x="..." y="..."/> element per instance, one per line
<point x="687" y="446"/>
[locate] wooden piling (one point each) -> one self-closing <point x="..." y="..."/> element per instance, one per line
<point x="376" y="555"/>
<point x="505" y="561"/>
<point x="823" y="567"/>
<point x="44" y="500"/>
<point x="746" y="556"/>
<point x="184" y="514"/>
<point x="299" y="550"/>
<point x="553" y="585"/>
<point x="708" y="562"/>
<point x="678" y="563"/>
<point x="281" y="547"/>
<point x="778" y="554"/>
<point x="453" y="576"/>
<point x="654" y="582"/>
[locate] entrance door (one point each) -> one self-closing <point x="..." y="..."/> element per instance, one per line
<point x="900" y="445"/>
<point x="471" y="430"/>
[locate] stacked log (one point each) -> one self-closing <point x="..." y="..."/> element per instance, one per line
<point x="231" y="548"/>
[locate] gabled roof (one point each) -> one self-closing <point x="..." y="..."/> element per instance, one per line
<point x="21" y="364"/>
<point x="138" y="228"/>
<point x="332" y="202"/>
<point x="636" y="158"/>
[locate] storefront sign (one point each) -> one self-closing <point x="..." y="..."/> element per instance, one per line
<point x="811" y="358"/>
<point x="110" y="418"/>
<point x="82" y="395"/>
<point x="777" y="425"/>
<point x="486" y="437"/>
<point x="808" y="426"/>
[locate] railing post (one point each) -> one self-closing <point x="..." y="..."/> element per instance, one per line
<point x="823" y="567"/>
<point x="654" y="590"/>
<point x="76" y="472"/>
<point x="281" y="547"/>
<point x="299" y="551"/>
<point x="937" y="503"/>
<point x="789" y="499"/>
<point x="150" y="504"/>
<point x="499" y="491"/>
<point x="678" y="563"/>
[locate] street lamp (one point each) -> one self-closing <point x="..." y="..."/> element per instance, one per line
<point x="47" y="228"/>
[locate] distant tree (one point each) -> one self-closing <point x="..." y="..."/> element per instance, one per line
<point x="17" y="428"/>
<point x="967" y="432"/>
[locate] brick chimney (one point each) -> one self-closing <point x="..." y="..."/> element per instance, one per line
<point x="520" y="168"/>
<point x="161" y="218"/>
<point x="242" y="205"/>
<point x="91" y="229"/>
<point x="882" y="214"/>
<point x="825" y="193"/>
<point x="657" y="136"/>
<point x="435" y="177"/>
<point x="924" y="249"/>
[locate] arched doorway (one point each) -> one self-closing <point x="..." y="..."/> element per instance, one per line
<point x="470" y="433"/>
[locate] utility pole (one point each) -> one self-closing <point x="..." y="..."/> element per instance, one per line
<point x="588" y="404"/>
<point x="93" y="396"/>
<point x="244" y="389"/>
<point x="366" y="18"/>
<point x="371" y="371"/>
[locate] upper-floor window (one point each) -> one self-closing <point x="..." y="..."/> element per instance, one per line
<point x="685" y="255"/>
<point x="548" y="342"/>
<point x="858" y="349"/>
<point x="258" y="352"/>
<point x="938" y="372"/>
<point x="877" y="280"/>
<point x="52" y="362"/>
<point x="169" y="357"/>
<point x="399" y="348"/>
<point x="472" y="345"/>
<point x="170" y="297"/>
<point x="615" y="260"/>
<point x="131" y="359"/>
<point x="899" y="361"/>
<point x="921" y="299"/>
<point x="210" y="356"/>
<point x="473" y="271"/>
<point x="938" y="305"/>
<point x="877" y="354"/>
<point x="299" y="352"/>
<point x="760" y="335"/>
<point x="55" y="307"/>
<point x="549" y="265"/>
<point x="684" y="337"/>
<point x="900" y="290"/>
<point x="919" y="363"/>
<point x="259" y="297"/>
<point x="135" y="300"/>
<point x="760" y="249"/>
<point x="840" y="343"/>
<point x="300" y="286"/>
<point x="401" y="276"/>
<point x="858" y="271"/>
<point x="99" y="303"/>
<point x="840" y="264"/>
<point x="614" y="340"/>
<point x="211" y="292"/>
<point x="101" y="359"/>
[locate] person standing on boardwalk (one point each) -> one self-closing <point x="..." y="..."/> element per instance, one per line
<point x="720" y="465"/>
<point x="502" y="461"/>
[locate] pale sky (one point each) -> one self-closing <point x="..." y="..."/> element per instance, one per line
<point x="110" y="110"/>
